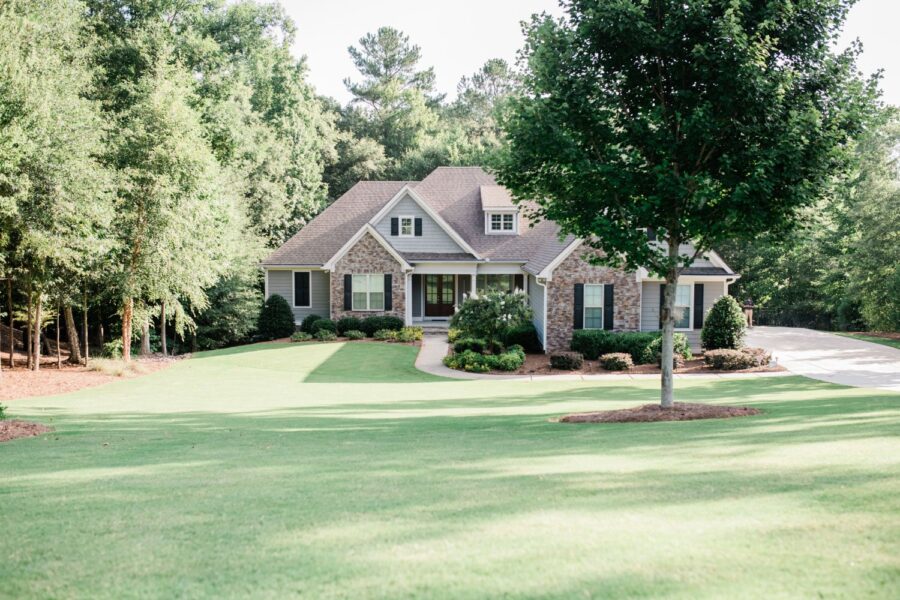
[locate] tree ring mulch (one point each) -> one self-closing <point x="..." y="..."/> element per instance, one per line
<point x="12" y="429"/>
<point x="649" y="413"/>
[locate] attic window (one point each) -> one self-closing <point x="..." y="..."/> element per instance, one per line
<point x="501" y="222"/>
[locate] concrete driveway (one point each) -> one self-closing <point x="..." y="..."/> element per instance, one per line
<point x="829" y="357"/>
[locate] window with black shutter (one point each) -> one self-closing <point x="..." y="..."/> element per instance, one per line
<point x="301" y="289"/>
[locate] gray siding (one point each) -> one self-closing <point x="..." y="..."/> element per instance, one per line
<point x="280" y="282"/>
<point x="433" y="238"/>
<point x="536" y="300"/>
<point x="712" y="291"/>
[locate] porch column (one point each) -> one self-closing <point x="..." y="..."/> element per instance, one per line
<point x="472" y="289"/>
<point x="407" y="299"/>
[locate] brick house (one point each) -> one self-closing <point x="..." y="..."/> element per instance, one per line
<point x="414" y="249"/>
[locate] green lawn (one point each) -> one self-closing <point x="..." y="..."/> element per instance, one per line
<point x="337" y="470"/>
<point x="872" y="338"/>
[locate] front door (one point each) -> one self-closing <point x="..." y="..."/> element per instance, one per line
<point x="439" y="292"/>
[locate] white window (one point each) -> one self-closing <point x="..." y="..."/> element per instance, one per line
<point x="501" y="222"/>
<point x="683" y="307"/>
<point x="593" y="307"/>
<point x="368" y="291"/>
<point x="407" y="227"/>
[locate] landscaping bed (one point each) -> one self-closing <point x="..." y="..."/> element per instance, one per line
<point x="648" y="413"/>
<point x="14" y="429"/>
<point x="539" y="364"/>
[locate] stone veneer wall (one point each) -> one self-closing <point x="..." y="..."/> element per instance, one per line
<point x="367" y="256"/>
<point x="561" y="298"/>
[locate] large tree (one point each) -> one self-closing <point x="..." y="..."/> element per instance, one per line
<point x="705" y="120"/>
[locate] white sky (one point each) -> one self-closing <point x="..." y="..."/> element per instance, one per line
<point x="458" y="36"/>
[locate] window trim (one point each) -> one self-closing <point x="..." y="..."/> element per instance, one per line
<point x="368" y="293"/>
<point x="488" y="222"/>
<point x="412" y="226"/>
<point x="690" y="306"/>
<point x="585" y="306"/>
<point x="294" y="288"/>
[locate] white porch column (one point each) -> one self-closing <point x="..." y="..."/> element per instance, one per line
<point x="472" y="284"/>
<point x="407" y="317"/>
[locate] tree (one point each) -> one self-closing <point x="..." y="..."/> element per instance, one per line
<point x="706" y="121"/>
<point x="479" y="99"/>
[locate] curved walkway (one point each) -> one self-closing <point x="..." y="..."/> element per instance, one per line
<point x="831" y="358"/>
<point x="435" y="347"/>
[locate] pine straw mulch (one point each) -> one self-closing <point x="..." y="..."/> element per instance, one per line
<point x="13" y="428"/>
<point x="650" y="413"/>
<point x="539" y="364"/>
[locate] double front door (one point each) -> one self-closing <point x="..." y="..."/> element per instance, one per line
<point x="439" y="295"/>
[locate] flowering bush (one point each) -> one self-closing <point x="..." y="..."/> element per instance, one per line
<point x="489" y="315"/>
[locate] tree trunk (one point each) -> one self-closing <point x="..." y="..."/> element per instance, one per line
<point x="28" y="327"/>
<point x="145" y="338"/>
<point x="36" y="336"/>
<point x="85" y="329"/>
<point x="72" y="336"/>
<point x="162" y="328"/>
<point x="58" y="349"/>
<point x="12" y="339"/>
<point x="667" y="319"/>
<point x="127" y="311"/>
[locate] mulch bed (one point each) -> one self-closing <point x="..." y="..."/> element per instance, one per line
<point x="539" y="364"/>
<point x="12" y="429"/>
<point x="649" y="413"/>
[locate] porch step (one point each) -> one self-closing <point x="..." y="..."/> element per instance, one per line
<point x="434" y="327"/>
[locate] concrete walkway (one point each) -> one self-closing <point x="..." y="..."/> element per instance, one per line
<point x="829" y="357"/>
<point x="435" y="347"/>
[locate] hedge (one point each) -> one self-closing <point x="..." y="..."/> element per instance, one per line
<point x="594" y="342"/>
<point x="524" y="335"/>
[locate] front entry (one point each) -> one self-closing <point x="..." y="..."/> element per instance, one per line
<point x="439" y="294"/>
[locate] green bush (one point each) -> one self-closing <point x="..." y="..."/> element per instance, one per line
<point x="474" y="362"/>
<point x="566" y="361"/>
<point x="276" y="320"/>
<point x="375" y="323"/>
<point x="489" y="315"/>
<point x="524" y="335"/>
<point x="410" y="334"/>
<point x="355" y="334"/>
<point x="616" y="361"/>
<point x="594" y="342"/>
<point x="307" y="323"/>
<point x="324" y="325"/>
<point x="653" y="353"/>
<point x="453" y="334"/>
<point x="724" y="325"/>
<point x="473" y="344"/>
<point x="113" y="349"/>
<point x="727" y="359"/>
<point x="325" y="335"/>
<point x="386" y="335"/>
<point x="2" y="412"/>
<point x="301" y="336"/>
<point x="345" y="324"/>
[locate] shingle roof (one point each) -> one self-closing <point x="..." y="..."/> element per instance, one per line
<point x="437" y="256"/>
<point x="706" y="271"/>
<point x="495" y="197"/>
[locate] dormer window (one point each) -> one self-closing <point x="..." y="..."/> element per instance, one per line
<point x="502" y="222"/>
<point x="501" y="215"/>
<point x="406" y="226"/>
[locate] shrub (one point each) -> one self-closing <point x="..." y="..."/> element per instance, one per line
<point x="473" y="344"/>
<point x="276" y="320"/>
<point x="307" y="323"/>
<point x="2" y="412"/>
<point x="113" y="349"/>
<point x="474" y="362"/>
<point x="453" y="334"/>
<point x="594" y="342"/>
<point x="727" y="359"/>
<point x="724" y="325"/>
<point x="324" y="325"/>
<point x="355" y="334"/>
<point x="566" y="361"/>
<point x="345" y="324"/>
<point x="490" y="314"/>
<point x="653" y="353"/>
<point x="301" y="336"/>
<point x="374" y="323"/>
<point x="325" y="335"/>
<point x="410" y="334"/>
<point x="524" y="335"/>
<point x="386" y="335"/>
<point x="616" y="361"/>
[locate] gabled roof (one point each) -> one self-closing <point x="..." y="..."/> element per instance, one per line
<point x="496" y="197"/>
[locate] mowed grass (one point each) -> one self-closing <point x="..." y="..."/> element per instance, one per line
<point x="339" y="471"/>
<point x="893" y="343"/>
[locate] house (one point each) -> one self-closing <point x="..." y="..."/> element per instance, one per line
<point x="414" y="249"/>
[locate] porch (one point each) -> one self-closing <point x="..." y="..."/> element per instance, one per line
<point x="435" y="297"/>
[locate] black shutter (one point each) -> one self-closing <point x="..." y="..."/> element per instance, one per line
<point x="608" y="306"/>
<point x="388" y="300"/>
<point x="418" y="227"/>
<point x="348" y="292"/>
<point x="519" y="282"/>
<point x="301" y="288"/>
<point x="651" y="234"/>
<point x="395" y="226"/>
<point x="578" y="313"/>
<point x="662" y="290"/>
<point x="698" y="306"/>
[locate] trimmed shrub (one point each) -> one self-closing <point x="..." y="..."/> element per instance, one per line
<point x="473" y="344"/>
<point x="375" y="323"/>
<point x="524" y="335"/>
<point x="354" y="334"/>
<point x="325" y="335"/>
<point x="510" y="360"/>
<point x="386" y="335"/>
<point x="594" y="342"/>
<point x="653" y="353"/>
<point x="410" y="334"/>
<point x="301" y="336"/>
<point x="276" y="320"/>
<point x="724" y="325"/>
<point x="324" y="325"/>
<point x="727" y="359"/>
<point x="345" y="324"/>
<point x="453" y="334"/>
<point x="616" y="361"/>
<point x="566" y="361"/>
<point x="307" y="323"/>
<point x="474" y="362"/>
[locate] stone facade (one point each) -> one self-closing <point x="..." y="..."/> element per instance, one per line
<point x="561" y="298"/>
<point x="368" y="256"/>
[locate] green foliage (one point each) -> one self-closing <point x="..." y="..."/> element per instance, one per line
<point x="301" y="336"/>
<point x="474" y="344"/>
<point x="323" y="325"/>
<point x="276" y="320"/>
<point x="490" y="314"/>
<point x="345" y="324"/>
<point x="475" y="362"/>
<point x="410" y="334"/>
<point x="524" y="335"/>
<point x="728" y="359"/>
<point x="453" y="334"/>
<point x="724" y="325"/>
<point x="113" y="349"/>
<point x="233" y="310"/>
<point x="566" y="361"/>
<point x="594" y="342"/>
<point x="307" y="323"/>
<point x="325" y="335"/>
<point x="616" y="361"/>
<point x="653" y="352"/>
<point x="2" y="412"/>
<point x="372" y="324"/>
<point x="354" y="334"/>
<point x="385" y="335"/>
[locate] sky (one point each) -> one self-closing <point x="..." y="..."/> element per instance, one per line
<point x="458" y="36"/>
